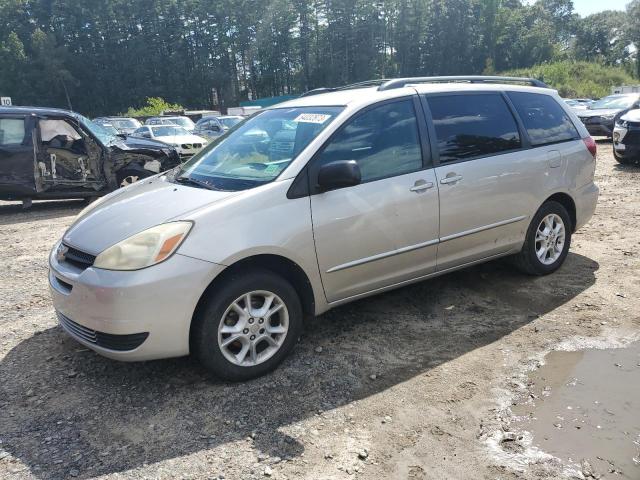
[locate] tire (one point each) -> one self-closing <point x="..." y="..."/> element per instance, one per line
<point x="129" y="176"/>
<point x="528" y="260"/>
<point x="218" y="316"/>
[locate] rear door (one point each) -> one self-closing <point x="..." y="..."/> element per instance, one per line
<point x="486" y="179"/>
<point x="385" y="230"/>
<point x="17" y="155"/>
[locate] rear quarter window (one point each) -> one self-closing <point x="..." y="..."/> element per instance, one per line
<point x="545" y="121"/>
<point x="12" y="131"/>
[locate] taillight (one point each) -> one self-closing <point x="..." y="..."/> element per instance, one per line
<point x="591" y="146"/>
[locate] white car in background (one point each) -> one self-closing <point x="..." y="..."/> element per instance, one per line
<point x="187" y="144"/>
<point x="184" y="122"/>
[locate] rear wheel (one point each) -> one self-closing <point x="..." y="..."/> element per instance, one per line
<point x="547" y="242"/>
<point x="248" y="326"/>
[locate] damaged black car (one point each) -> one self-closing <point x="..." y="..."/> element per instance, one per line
<point x="50" y="153"/>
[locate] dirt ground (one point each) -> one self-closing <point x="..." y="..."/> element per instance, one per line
<point x="413" y="384"/>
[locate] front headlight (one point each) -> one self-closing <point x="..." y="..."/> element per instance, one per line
<point x="609" y="117"/>
<point x="144" y="249"/>
<point x="621" y="123"/>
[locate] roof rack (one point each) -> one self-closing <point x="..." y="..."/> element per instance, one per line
<point x="401" y="82"/>
<point x="366" y="83"/>
<point x="391" y="83"/>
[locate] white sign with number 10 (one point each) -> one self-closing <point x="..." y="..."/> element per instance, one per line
<point x="5" y="101"/>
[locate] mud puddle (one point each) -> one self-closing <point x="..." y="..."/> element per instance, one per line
<point x="584" y="408"/>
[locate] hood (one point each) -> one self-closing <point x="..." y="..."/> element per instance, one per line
<point x="182" y="139"/>
<point x="631" y="116"/>
<point x="139" y="142"/>
<point x="133" y="209"/>
<point x="599" y="112"/>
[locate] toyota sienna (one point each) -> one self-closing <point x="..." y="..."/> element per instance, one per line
<point x="322" y="200"/>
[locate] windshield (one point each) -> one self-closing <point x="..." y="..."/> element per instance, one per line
<point x="230" y="121"/>
<point x="257" y="150"/>
<point x="168" y="131"/>
<point x="614" y="101"/>
<point x="104" y="135"/>
<point x="126" y="123"/>
<point x="110" y="128"/>
<point x="183" y="122"/>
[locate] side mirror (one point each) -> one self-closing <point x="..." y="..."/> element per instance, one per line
<point x="339" y="174"/>
<point x="215" y="128"/>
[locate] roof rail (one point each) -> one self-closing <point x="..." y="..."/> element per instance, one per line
<point x="318" y="91"/>
<point x="401" y="82"/>
<point x="366" y="83"/>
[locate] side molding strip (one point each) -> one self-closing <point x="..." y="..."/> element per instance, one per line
<point x="410" y="248"/>
<point x="380" y="256"/>
<point x="481" y="229"/>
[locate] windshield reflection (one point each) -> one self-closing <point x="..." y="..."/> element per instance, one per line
<point x="257" y="150"/>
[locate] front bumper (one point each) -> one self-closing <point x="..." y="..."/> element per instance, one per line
<point x="626" y="142"/>
<point x="138" y="315"/>
<point x="598" y="126"/>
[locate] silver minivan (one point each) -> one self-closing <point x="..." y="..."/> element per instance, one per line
<point x="317" y="202"/>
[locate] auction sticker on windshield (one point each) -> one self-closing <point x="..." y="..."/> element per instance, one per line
<point x="312" y="118"/>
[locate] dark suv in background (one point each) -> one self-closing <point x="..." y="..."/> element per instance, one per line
<point x="50" y="153"/>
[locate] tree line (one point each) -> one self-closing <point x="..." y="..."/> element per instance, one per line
<point x="103" y="56"/>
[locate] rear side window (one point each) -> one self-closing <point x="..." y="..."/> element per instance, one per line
<point x="11" y="131"/>
<point x="384" y="140"/>
<point x="469" y="126"/>
<point x="545" y="121"/>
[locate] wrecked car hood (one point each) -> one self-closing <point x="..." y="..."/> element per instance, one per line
<point x="131" y="210"/>
<point x="135" y="143"/>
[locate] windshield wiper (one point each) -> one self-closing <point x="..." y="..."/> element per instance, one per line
<point x="194" y="182"/>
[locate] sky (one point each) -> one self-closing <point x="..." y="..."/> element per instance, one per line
<point x="587" y="7"/>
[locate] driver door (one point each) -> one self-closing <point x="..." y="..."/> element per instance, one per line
<point x="383" y="231"/>
<point x="67" y="156"/>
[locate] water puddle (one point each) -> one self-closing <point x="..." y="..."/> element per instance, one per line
<point x="584" y="408"/>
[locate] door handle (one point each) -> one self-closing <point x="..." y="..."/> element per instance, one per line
<point x="451" y="178"/>
<point x="421" y="186"/>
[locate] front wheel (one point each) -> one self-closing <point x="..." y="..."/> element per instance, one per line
<point x="129" y="176"/>
<point x="248" y="326"/>
<point x="547" y="242"/>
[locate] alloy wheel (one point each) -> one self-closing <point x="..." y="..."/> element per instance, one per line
<point x="253" y="328"/>
<point x="550" y="239"/>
